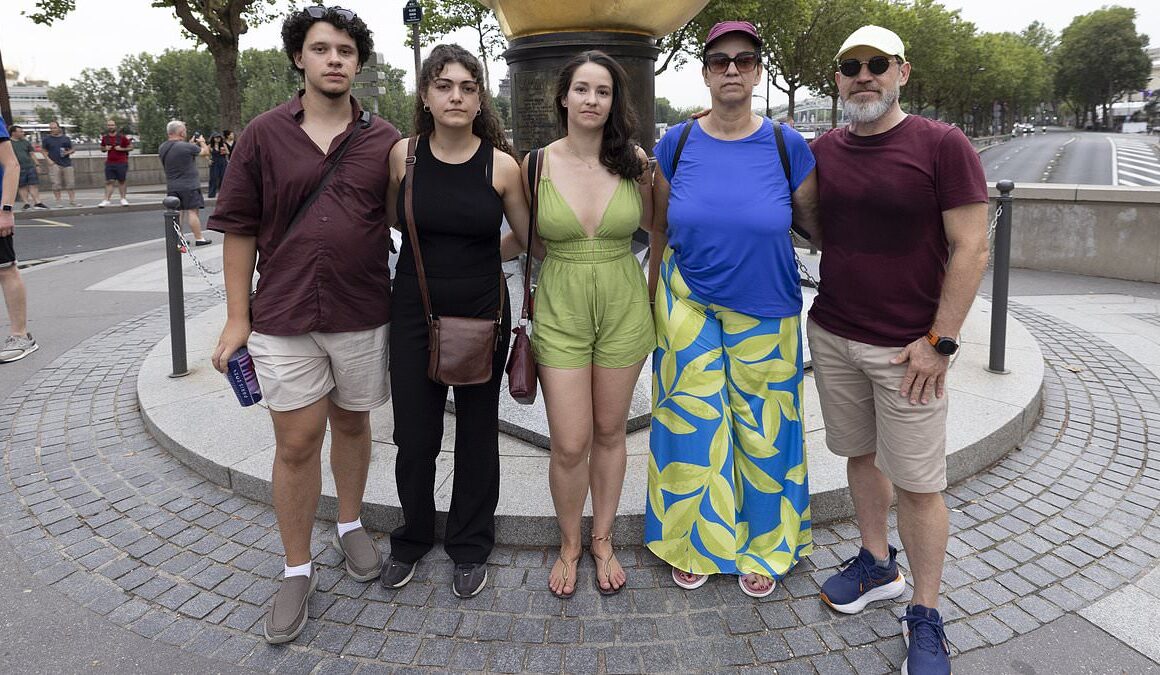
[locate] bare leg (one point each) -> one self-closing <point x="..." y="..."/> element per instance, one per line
<point x="194" y="222"/>
<point x="34" y="192"/>
<point x="72" y="196"/>
<point x="15" y="299"/>
<point x="611" y="398"/>
<point x="568" y="399"/>
<point x="121" y="187"/>
<point x="298" y="475"/>
<point x="872" y="493"/>
<point x="109" y="189"/>
<point x="350" y="458"/>
<point x="922" y="525"/>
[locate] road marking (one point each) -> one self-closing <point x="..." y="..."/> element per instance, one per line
<point x="1142" y="168"/>
<point x="1134" y="163"/>
<point x="1115" y="168"/>
<point x="1137" y="176"/>
<point x="44" y="222"/>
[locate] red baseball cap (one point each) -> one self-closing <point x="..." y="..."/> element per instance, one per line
<point x="725" y="27"/>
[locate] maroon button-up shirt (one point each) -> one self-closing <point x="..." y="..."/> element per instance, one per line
<point x="329" y="273"/>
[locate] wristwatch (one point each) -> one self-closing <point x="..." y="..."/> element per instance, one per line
<point x="6" y="207"/>
<point x="943" y="345"/>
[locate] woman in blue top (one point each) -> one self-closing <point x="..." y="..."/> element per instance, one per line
<point x="727" y="489"/>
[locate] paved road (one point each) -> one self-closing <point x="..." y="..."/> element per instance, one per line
<point x="50" y="236"/>
<point x="1063" y="156"/>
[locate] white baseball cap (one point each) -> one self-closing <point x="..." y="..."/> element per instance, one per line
<point x="875" y="37"/>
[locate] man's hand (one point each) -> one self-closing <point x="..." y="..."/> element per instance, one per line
<point x="234" y="335"/>
<point x="7" y="222"/>
<point x="926" y="373"/>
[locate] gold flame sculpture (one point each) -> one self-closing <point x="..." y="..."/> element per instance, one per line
<point x="521" y="18"/>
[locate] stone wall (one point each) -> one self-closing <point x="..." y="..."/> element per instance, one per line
<point x="143" y="170"/>
<point x="1103" y="231"/>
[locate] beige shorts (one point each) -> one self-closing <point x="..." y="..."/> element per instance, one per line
<point x="297" y="370"/>
<point x="863" y="413"/>
<point x="61" y="176"/>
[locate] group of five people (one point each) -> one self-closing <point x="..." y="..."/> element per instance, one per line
<point x="897" y="202"/>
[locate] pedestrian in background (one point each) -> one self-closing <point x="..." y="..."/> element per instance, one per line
<point x="179" y="159"/>
<point x="19" y="342"/>
<point x="903" y="212"/>
<point x="117" y="146"/>
<point x="29" y="184"/>
<point x="61" y="174"/>
<point x="219" y="157"/>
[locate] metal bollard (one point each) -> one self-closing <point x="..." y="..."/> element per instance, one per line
<point x="176" y="287"/>
<point x="1000" y="278"/>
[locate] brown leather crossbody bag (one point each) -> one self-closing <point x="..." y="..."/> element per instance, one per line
<point x="460" y="348"/>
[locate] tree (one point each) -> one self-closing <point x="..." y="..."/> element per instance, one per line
<point x="218" y="24"/>
<point x="397" y="106"/>
<point x="1100" y="58"/>
<point x="441" y="17"/>
<point x="684" y="44"/>
<point x="819" y="77"/>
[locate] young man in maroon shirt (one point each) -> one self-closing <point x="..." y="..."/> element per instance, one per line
<point x="903" y="216"/>
<point x="116" y="162"/>
<point x="318" y="336"/>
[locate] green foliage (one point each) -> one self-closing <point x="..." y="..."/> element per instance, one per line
<point x="177" y="84"/>
<point x="397" y="106"/>
<point x="48" y="11"/>
<point x="442" y="17"/>
<point x="45" y="114"/>
<point x="1101" y="58"/>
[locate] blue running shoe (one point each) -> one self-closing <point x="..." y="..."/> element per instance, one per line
<point x="861" y="582"/>
<point x="927" y="651"/>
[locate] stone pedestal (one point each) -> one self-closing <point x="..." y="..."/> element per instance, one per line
<point x="534" y="63"/>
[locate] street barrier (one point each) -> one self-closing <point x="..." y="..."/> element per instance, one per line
<point x="1000" y="278"/>
<point x="173" y="252"/>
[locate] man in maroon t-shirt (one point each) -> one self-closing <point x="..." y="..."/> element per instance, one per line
<point x="116" y="162"/>
<point x="317" y="326"/>
<point x="902" y="208"/>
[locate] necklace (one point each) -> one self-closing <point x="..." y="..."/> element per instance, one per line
<point x="577" y="155"/>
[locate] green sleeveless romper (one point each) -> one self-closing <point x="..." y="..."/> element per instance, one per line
<point x="591" y="299"/>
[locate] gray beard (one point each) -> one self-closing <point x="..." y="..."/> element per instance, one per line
<point x="864" y="113"/>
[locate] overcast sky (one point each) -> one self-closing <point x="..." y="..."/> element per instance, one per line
<point x="95" y="36"/>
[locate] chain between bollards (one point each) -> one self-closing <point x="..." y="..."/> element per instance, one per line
<point x="173" y="247"/>
<point x="1000" y="277"/>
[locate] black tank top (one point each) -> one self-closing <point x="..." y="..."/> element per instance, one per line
<point x="457" y="215"/>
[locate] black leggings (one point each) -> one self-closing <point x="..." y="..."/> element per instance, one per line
<point x="418" y="404"/>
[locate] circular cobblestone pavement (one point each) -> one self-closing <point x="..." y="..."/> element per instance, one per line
<point x="100" y="512"/>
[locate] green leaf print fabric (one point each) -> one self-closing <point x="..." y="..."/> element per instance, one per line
<point x="727" y="485"/>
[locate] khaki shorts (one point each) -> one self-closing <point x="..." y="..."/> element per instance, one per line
<point x="863" y="413"/>
<point x="61" y="176"/>
<point x="295" y="371"/>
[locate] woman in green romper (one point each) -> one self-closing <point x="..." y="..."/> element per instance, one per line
<point x="593" y="325"/>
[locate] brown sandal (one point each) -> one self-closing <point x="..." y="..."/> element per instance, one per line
<point x="573" y="563"/>
<point x="607" y="563"/>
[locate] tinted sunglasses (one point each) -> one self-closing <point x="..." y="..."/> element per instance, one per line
<point x="876" y="64"/>
<point x="318" y="11"/>
<point x="719" y="63"/>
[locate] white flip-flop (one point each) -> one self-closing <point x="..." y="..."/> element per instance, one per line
<point x="701" y="579"/>
<point x="755" y="594"/>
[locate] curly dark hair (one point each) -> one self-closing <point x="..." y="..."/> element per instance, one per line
<point x="486" y="124"/>
<point x="618" y="146"/>
<point x="296" y="25"/>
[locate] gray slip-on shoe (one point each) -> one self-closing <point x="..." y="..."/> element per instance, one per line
<point x="287" y="615"/>
<point x="363" y="560"/>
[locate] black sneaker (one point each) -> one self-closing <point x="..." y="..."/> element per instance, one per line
<point x="40" y="205"/>
<point x="396" y="573"/>
<point x="469" y="579"/>
<point x="202" y="242"/>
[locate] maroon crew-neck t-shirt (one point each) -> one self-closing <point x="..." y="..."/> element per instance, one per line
<point x="880" y="204"/>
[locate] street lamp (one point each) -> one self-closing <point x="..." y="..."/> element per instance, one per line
<point x="413" y="16"/>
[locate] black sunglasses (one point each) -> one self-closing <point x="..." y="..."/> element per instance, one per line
<point x="876" y="64"/>
<point x="719" y="63"/>
<point x="318" y="12"/>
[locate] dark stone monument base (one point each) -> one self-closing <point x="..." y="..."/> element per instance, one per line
<point x="534" y="63"/>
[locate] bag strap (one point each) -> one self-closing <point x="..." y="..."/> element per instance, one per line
<point x="681" y="145"/>
<point x="779" y="136"/>
<point x="364" y="121"/>
<point x="409" y="215"/>
<point x="535" y="167"/>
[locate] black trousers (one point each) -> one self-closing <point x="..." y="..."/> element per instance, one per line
<point x="419" y="405"/>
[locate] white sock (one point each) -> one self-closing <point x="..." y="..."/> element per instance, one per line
<point x="343" y="528"/>
<point x="297" y="571"/>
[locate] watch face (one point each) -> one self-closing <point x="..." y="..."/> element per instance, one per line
<point x="946" y="346"/>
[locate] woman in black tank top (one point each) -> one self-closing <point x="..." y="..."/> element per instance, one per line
<point x="465" y="182"/>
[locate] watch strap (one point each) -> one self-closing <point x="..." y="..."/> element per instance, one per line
<point x="932" y="337"/>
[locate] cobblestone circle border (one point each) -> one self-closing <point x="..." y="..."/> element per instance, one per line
<point x="100" y="512"/>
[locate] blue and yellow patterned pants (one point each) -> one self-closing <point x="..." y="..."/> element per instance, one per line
<point x="727" y="487"/>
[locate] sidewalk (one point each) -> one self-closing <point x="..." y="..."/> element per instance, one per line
<point x="1050" y="566"/>
<point x="141" y="198"/>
